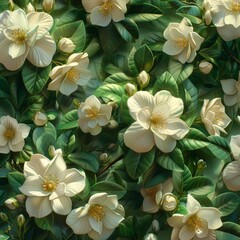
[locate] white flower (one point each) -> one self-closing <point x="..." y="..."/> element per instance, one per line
<point x="25" y="37"/>
<point x="231" y="91"/>
<point x="157" y="121"/>
<point x="214" y="117"/>
<point x="205" y="67"/>
<point x="66" y="45"/>
<point x="182" y="42"/>
<point x="49" y="185"/>
<point x="67" y="77"/>
<point x="225" y="16"/>
<point x="93" y="115"/>
<point x="12" y="134"/>
<point x="103" y="11"/>
<point x="207" y="15"/>
<point x="231" y="173"/>
<point x="169" y="202"/>
<point x="199" y="223"/>
<point x="98" y="218"/>
<point x="153" y="196"/>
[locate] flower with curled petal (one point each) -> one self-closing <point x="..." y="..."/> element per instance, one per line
<point x="157" y="121"/>
<point x="49" y="185"/>
<point x="25" y="36"/>
<point x="98" y="218"/>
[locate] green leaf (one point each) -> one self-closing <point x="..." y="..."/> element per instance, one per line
<point x="44" y="142"/>
<point x="4" y="237"/>
<point x="131" y="63"/>
<point x="87" y="161"/>
<point x="172" y="161"/>
<point x="109" y="187"/>
<point x="232" y="228"/>
<point x="226" y="203"/>
<point x="118" y="78"/>
<point x="124" y="115"/>
<point x="132" y="200"/>
<point x="166" y="82"/>
<point x="144" y="58"/>
<point x="15" y="180"/>
<point x="79" y="37"/>
<point x="35" y="78"/>
<point x="6" y="108"/>
<point x="4" y="90"/>
<point x="195" y="139"/>
<point x="69" y="120"/>
<point x="143" y="17"/>
<point x="110" y="92"/>
<point x="45" y="223"/>
<point x="138" y="163"/>
<point x="193" y="13"/>
<point x="198" y="186"/>
<point x="126" y="228"/>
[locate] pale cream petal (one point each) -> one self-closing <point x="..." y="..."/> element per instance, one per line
<point x="17" y="50"/>
<point x="25" y="129"/>
<point x="186" y="233"/>
<point x="78" y="223"/>
<point x="139" y="139"/>
<point x="36" y="166"/>
<point x="92" y="102"/>
<point x="230" y="100"/>
<point x="144" y="117"/>
<point x="90" y="5"/>
<point x="167" y="145"/>
<point x="59" y="70"/>
<point x="96" y="225"/>
<point x="122" y="4"/>
<point x="176" y="221"/>
<point x="111" y="219"/>
<point x="3" y="141"/>
<point x="38" y="207"/>
<point x="167" y="186"/>
<point x="138" y="101"/>
<point x="98" y="198"/>
<point x="231" y="176"/>
<point x="67" y="87"/>
<point x="117" y="13"/>
<point x="62" y="205"/>
<point x="104" y="235"/>
<point x="83" y="124"/>
<point x="171" y="48"/>
<point x="55" y="84"/>
<point x="85" y="76"/>
<point x="95" y="131"/>
<point x="40" y="55"/>
<point x="176" y="128"/>
<point x="33" y="187"/>
<point x="228" y="32"/>
<point x="202" y="230"/>
<point x="229" y="86"/>
<point x="105" y="110"/>
<point x="92" y="123"/>
<point x="231" y="19"/>
<point x="184" y="56"/>
<point x="58" y="192"/>
<point x="17" y="138"/>
<point x="149" y="205"/>
<point x="16" y="147"/>
<point x="4" y="149"/>
<point x="192" y="204"/>
<point x="175" y="234"/>
<point x="81" y="59"/>
<point x="235" y="146"/>
<point x="18" y="18"/>
<point x="97" y="18"/>
<point x="212" y="216"/>
<point x="198" y="40"/>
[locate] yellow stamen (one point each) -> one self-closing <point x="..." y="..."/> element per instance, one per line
<point x="235" y="7"/>
<point x="194" y="223"/>
<point x="97" y="212"/>
<point x="106" y="8"/>
<point x="73" y="75"/>
<point x="49" y="184"/>
<point x="157" y="121"/>
<point x="92" y="113"/>
<point x="9" y="134"/>
<point x="181" y="42"/>
<point x="19" y="36"/>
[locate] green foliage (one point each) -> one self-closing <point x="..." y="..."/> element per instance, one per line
<point x="69" y="120"/>
<point x="15" y="180"/>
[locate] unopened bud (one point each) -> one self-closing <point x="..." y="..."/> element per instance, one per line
<point x="113" y="124"/>
<point x="40" y="119"/>
<point x="30" y="8"/>
<point x="54" y="152"/>
<point x="150" y="236"/>
<point x="130" y="89"/>
<point x="3" y="217"/>
<point x="169" y="202"/>
<point x="104" y="157"/>
<point x="205" y="67"/>
<point x="143" y="79"/>
<point x="12" y="203"/>
<point x="20" y="220"/>
<point x="48" y="5"/>
<point x="201" y="164"/>
<point x="155" y="226"/>
<point x="11" y="5"/>
<point x="112" y="104"/>
<point x="21" y="198"/>
<point x="66" y="45"/>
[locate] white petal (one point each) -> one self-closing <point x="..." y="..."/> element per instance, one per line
<point x="95" y="131"/>
<point x="186" y="233"/>
<point x="92" y="102"/>
<point x="235" y="146"/>
<point x="38" y="207"/>
<point x="117" y="13"/>
<point x="144" y="117"/>
<point x="58" y="192"/>
<point x="229" y="86"/>
<point x="62" y="205"/>
<point x="149" y="205"/>
<point x="167" y="145"/>
<point x="17" y="50"/>
<point x="228" y="32"/>
<point x="139" y="139"/>
<point x="202" y="230"/>
<point x="97" y="18"/>
<point x="18" y="18"/>
<point x="25" y="129"/>
<point x="40" y="55"/>
<point x="231" y="19"/>
<point x="68" y="86"/>
<point x="16" y="147"/>
<point x="167" y="186"/>
<point x="55" y="84"/>
<point x="96" y="225"/>
<point x="171" y="48"/>
<point x="109" y="201"/>
<point x="230" y="100"/>
<point x="192" y="204"/>
<point x="111" y="219"/>
<point x="4" y="149"/>
<point x="212" y="216"/>
<point x="176" y="128"/>
<point x="176" y="221"/>
<point x="90" y="5"/>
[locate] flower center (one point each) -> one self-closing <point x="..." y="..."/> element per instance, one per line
<point x="92" y="113"/>
<point x="181" y="42"/>
<point x="157" y="121"/>
<point x="106" y="8"/>
<point x="73" y="75"/>
<point x="235" y="7"/>
<point x="9" y="134"/>
<point x="97" y="212"/>
<point x="219" y="119"/>
<point x="19" y="36"/>
<point x="50" y="183"/>
<point x="194" y="223"/>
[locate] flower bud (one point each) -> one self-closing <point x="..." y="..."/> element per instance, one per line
<point x="169" y="202"/>
<point x="40" y="119"/>
<point x="143" y="79"/>
<point x="104" y="157"/>
<point x="12" y="203"/>
<point x="208" y="17"/>
<point x="47" y="5"/>
<point x="112" y="104"/>
<point x="155" y="226"/>
<point x="20" y="220"/>
<point x="205" y="67"/>
<point x="3" y="217"/>
<point x="11" y="5"/>
<point x="113" y="124"/>
<point x="30" y="8"/>
<point x="21" y="198"/>
<point x="130" y="89"/>
<point x="150" y="236"/>
<point x="66" y="45"/>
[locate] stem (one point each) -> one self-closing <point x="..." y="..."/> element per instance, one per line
<point x="109" y="165"/>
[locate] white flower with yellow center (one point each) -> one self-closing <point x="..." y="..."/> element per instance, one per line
<point x="49" y="185"/>
<point x="153" y="197"/>
<point x="231" y="89"/>
<point x="93" y="115"/>
<point x="182" y="42"/>
<point x="68" y="77"/>
<point x="103" y="11"/>
<point x="25" y="36"/>
<point x="12" y="134"/>
<point x="157" y="121"/>
<point x="214" y="117"/>
<point x="199" y="223"/>
<point x="98" y="218"/>
<point x="231" y="173"/>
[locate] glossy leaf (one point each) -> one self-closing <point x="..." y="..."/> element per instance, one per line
<point x="69" y="120"/>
